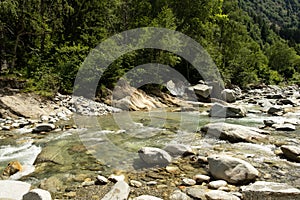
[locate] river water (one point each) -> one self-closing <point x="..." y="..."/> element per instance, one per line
<point x="102" y="144"/>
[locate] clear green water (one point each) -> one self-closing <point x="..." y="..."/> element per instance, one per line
<point x="109" y="142"/>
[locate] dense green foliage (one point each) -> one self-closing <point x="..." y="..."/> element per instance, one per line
<point x="251" y="42"/>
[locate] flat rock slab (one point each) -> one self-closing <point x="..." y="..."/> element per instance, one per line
<point x="220" y="195"/>
<point x="235" y="133"/>
<point x="13" y="189"/>
<point x="270" y="191"/>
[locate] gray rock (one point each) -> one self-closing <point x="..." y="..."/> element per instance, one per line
<point x="178" y="195"/>
<point x="178" y="149"/>
<point x="287" y="102"/>
<point x="37" y="194"/>
<point x="269" y="122"/>
<point x="220" y="195"/>
<point x="119" y="191"/>
<point x="217" y="184"/>
<point x="19" y="189"/>
<point x="154" y="156"/>
<point x="232" y="170"/>
<point x="235" y="133"/>
<point x="275" y="110"/>
<point x="196" y="193"/>
<point x="228" y="95"/>
<point x="291" y="152"/>
<point x="275" y="96"/>
<point x="147" y="197"/>
<point x="102" y="180"/>
<point x="227" y="111"/>
<point x="202" y="90"/>
<point x="284" y="127"/>
<point x="188" y="182"/>
<point x="43" y="128"/>
<point x="199" y="178"/>
<point x="135" y="183"/>
<point x="270" y="191"/>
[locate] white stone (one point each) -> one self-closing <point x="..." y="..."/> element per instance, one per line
<point x="217" y="184"/>
<point x="37" y="194"/>
<point x="13" y="189"/>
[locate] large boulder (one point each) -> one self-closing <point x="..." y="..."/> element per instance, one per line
<point x="228" y="95"/>
<point x="291" y="152"/>
<point x="119" y="191"/>
<point x="227" y="111"/>
<point x="232" y="170"/>
<point x="154" y="156"/>
<point x="13" y="189"/>
<point x="270" y="191"/>
<point x="202" y="91"/>
<point x="234" y="132"/>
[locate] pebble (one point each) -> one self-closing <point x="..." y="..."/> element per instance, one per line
<point x="135" y="183"/>
<point x="151" y="183"/>
<point x="217" y="184"/>
<point x="199" y="178"/>
<point x="188" y="182"/>
<point x="173" y="169"/>
<point x="102" y="180"/>
<point x="115" y="178"/>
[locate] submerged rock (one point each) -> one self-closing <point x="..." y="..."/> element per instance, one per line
<point x="291" y="152"/>
<point x="234" y="133"/>
<point x="154" y="156"/>
<point x="119" y="191"/>
<point x="270" y="191"/>
<point x="232" y="170"/>
<point x="227" y="111"/>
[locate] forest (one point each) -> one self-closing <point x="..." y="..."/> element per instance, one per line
<point x="252" y="42"/>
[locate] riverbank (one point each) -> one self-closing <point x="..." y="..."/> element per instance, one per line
<point x="262" y="147"/>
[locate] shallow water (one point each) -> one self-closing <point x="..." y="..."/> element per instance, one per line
<point x="101" y="144"/>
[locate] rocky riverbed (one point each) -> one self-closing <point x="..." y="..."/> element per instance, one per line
<point x="246" y="147"/>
